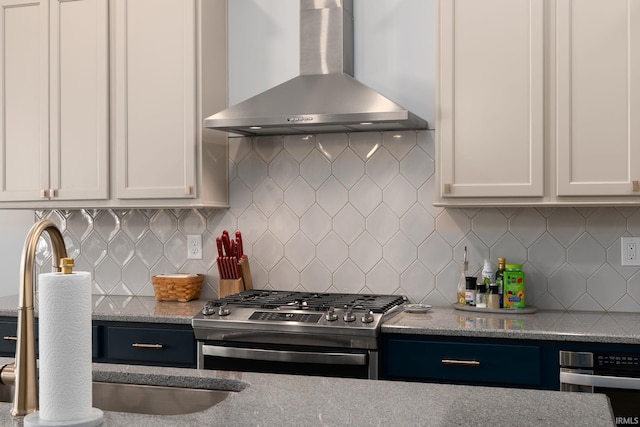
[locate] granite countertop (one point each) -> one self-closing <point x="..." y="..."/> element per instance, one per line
<point x="277" y="400"/>
<point x="126" y="309"/>
<point x="577" y="326"/>
<point x="620" y="328"/>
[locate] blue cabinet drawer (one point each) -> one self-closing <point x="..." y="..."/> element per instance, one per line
<point x="172" y="347"/>
<point x="8" y="334"/>
<point x="460" y="362"/>
<point x="96" y="339"/>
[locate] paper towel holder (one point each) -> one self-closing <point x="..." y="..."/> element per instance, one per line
<point x="23" y="373"/>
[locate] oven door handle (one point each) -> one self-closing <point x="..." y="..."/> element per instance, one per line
<point x="285" y="356"/>
<point x="599" y="380"/>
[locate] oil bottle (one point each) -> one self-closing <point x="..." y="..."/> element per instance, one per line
<point x="500" y="279"/>
<point x="462" y="282"/>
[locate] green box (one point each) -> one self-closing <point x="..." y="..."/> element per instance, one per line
<point x="514" y="292"/>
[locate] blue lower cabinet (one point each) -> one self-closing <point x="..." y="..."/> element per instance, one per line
<point x="97" y="346"/>
<point x="151" y="345"/>
<point x="8" y="336"/>
<point x="477" y="363"/>
<point x="125" y="342"/>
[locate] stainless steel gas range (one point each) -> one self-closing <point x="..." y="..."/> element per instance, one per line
<point x="328" y="334"/>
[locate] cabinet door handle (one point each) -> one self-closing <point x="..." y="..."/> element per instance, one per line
<point x="460" y="362"/>
<point x="142" y="345"/>
<point x="447" y="188"/>
<point x="636" y="186"/>
<point x="10" y="338"/>
<point x="43" y="194"/>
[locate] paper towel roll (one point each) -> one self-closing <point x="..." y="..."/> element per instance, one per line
<point x="65" y="346"/>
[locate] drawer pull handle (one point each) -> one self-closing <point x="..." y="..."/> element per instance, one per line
<point x="9" y="338"/>
<point x="460" y="362"/>
<point x="142" y="345"/>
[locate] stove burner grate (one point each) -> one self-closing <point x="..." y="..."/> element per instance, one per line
<point x="311" y="301"/>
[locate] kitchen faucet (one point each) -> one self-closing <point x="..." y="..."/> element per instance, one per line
<point x="23" y="372"/>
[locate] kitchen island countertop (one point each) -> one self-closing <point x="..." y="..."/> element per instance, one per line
<point x="546" y="325"/>
<point x="283" y="400"/>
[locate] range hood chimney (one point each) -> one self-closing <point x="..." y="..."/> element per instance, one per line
<point x="325" y="97"/>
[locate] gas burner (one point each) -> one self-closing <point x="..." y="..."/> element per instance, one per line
<point x="311" y="301"/>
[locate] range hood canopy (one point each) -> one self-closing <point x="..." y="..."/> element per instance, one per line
<point x="325" y="97"/>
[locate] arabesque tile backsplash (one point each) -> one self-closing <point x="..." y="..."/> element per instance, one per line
<point x="353" y="213"/>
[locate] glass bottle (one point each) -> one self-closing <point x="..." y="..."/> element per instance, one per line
<point x="494" y="297"/>
<point x="500" y="280"/>
<point x="470" y="292"/>
<point x="462" y="281"/>
<point x="481" y="295"/>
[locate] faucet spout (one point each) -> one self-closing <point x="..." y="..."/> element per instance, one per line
<point x="25" y="374"/>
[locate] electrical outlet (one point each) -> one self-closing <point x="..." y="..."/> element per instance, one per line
<point x="194" y="246"/>
<point x="630" y="251"/>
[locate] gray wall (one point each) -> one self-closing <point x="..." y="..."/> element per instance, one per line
<point x="14" y="225"/>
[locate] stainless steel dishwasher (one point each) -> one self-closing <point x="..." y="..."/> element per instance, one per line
<point x="615" y="374"/>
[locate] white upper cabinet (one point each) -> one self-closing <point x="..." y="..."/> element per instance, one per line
<point x="167" y="52"/>
<point x="155" y="97"/>
<point x="54" y="100"/>
<point x="102" y="103"/>
<point x="79" y="107"/>
<point x="538" y="102"/>
<point x="490" y="100"/>
<point x="597" y="97"/>
<point x="24" y="99"/>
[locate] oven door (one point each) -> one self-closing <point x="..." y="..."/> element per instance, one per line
<point x="286" y="359"/>
<point x="623" y="392"/>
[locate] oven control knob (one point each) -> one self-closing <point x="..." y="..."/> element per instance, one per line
<point x="367" y="317"/>
<point x="331" y="315"/>
<point x="208" y="309"/>
<point x="223" y="310"/>
<point x="349" y="316"/>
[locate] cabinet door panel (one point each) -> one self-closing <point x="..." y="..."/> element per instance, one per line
<point x="491" y="79"/>
<point x="462" y="362"/>
<point x="155" y="98"/>
<point x="598" y="67"/>
<point x="151" y="346"/>
<point x="24" y="99"/>
<point x="79" y="99"/>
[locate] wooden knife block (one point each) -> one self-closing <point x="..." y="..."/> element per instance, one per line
<point x="228" y="287"/>
<point x="245" y="273"/>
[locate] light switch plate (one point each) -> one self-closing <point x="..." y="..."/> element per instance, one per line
<point x="630" y="251"/>
<point x="194" y="246"/>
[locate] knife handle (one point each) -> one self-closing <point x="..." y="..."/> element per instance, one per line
<point x="225" y="268"/>
<point x="226" y="243"/>
<point x="219" y="264"/>
<point x="239" y="244"/>
<point x="234" y="266"/>
<point x="219" y="245"/>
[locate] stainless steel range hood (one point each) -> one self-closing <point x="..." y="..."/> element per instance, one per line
<point x="325" y="97"/>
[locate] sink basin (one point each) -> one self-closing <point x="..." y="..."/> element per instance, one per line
<point x="145" y="399"/>
<point x="152" y="399"/>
